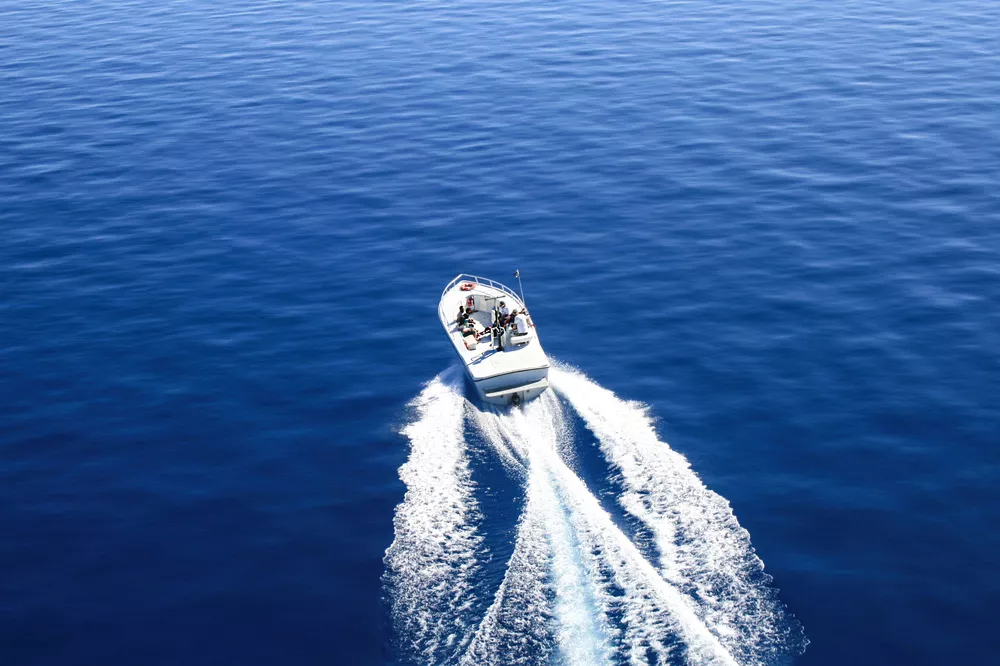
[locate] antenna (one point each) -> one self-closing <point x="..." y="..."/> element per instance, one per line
<point x="517" y="274"/>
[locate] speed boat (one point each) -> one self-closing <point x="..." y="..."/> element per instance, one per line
<point x="502" y="355"/>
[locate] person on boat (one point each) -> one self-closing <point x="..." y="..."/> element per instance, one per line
<point x="504" y="313"/>
<point x="521" y="323"/>
<point x="468" y="326"/>
<point x="462" y="317"/>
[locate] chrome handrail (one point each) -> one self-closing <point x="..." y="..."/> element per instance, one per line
<point x="480" y="280"/>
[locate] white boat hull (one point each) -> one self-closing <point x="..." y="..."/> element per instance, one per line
<point x="506" y="369"/>
<point x="517" y="387"/>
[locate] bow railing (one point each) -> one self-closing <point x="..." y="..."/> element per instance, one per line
<point x="464" y="277"/>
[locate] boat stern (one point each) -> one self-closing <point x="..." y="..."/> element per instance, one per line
<point x="513" y="395"/>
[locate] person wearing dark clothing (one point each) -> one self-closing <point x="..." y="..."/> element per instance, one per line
<point x="466" y="323"/>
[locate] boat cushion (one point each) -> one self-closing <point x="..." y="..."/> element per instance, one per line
<point x="516" y="339"/>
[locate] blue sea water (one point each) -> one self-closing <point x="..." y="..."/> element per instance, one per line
<point x="226" y="225"/>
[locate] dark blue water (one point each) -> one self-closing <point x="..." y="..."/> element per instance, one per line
<point x="226" y="225"/>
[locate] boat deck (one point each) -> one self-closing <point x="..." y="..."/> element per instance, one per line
<point x="485" y="361"/>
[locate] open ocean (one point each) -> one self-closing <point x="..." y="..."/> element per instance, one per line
<point x="760" y="241"/>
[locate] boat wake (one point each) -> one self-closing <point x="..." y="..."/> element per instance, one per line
<point x="581" y="586"/>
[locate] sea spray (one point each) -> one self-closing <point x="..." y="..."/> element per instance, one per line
<point x="576" y="589"/>
<point x="655" y="614"/>
<point x="702" y="547"/>
<point x="432" y="564"/>
<point x="517" y="625"/>
<point x="579" y="603"/>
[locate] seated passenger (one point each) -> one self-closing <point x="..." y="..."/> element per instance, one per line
<point x="504" y="313"/>
<point x="468" y="325"/>
<point x="521" y="323"/>
<point x="461" y="318"/>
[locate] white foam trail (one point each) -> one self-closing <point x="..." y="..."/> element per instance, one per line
<point x="590" y="554"/>
<point x="647" y="596"/>
<point x="580" y="603"/>
<point x="433" y="560"/>
<point x="515" y="629"/>
<point x="578" y="606"/>
<point x="702" y="548"/>
<point x="577" y="590"/>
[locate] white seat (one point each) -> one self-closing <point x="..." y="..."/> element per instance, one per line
<point x="516" y="339"/>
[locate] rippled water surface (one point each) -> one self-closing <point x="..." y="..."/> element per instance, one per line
<point x="226" y="225"/>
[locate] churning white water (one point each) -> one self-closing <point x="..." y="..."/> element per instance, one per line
<point x="433" y="561"/>
<point x="576" y="590"/>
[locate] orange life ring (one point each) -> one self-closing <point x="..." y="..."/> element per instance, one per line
<point x="468" y="286"/>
